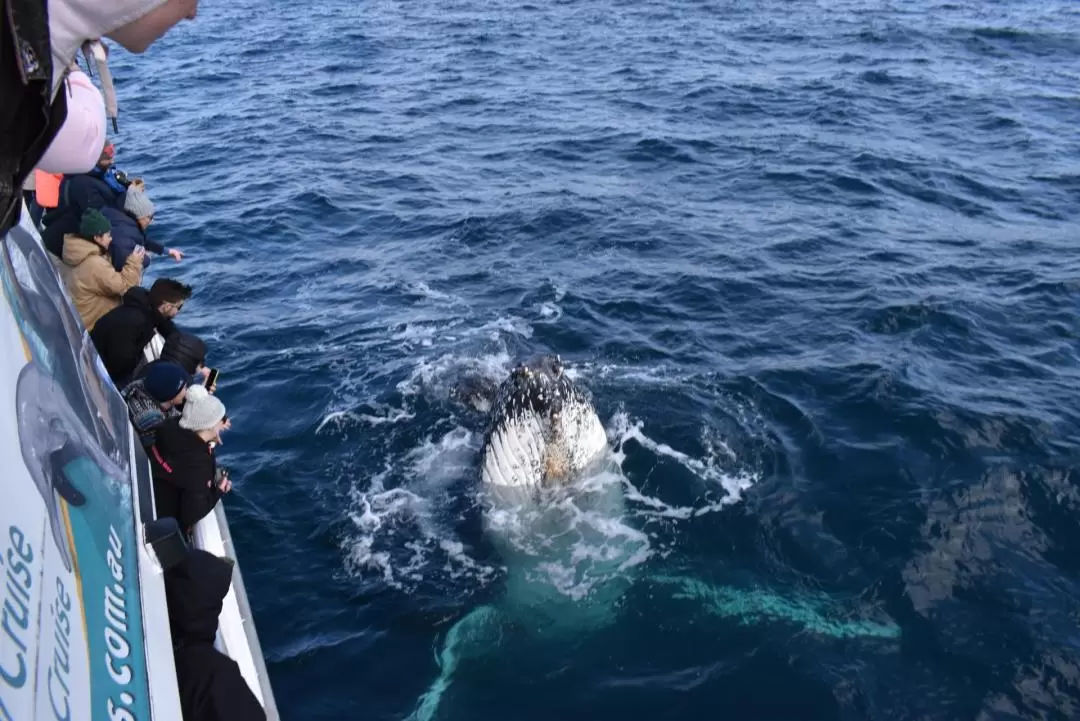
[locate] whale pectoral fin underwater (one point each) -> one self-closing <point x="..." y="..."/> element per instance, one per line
<point x="474" y="634"/>
<point x="751" y="605"/>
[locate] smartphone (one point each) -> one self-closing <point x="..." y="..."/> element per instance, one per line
<point x="211" y="378"/>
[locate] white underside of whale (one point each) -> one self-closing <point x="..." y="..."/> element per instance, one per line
<point x="522" y="450"/>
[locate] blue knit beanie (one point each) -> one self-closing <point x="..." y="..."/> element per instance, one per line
<point x="165" y="380"/>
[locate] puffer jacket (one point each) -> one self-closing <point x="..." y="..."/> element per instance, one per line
<point x="95" y="287"/>
<point x="126" y="234"/>
<point x="184" y="470"/>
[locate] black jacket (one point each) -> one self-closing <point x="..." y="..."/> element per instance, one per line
<point x="29" y="116"/>
<point x="186" y="350"/>
<point x="78" y="193"/>
<point x="211" y="686"/>
<point x="122" y="333"/>
<point x="183" y="466"/>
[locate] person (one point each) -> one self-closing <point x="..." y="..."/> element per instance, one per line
<point x="95" y="286"/>
<point x="187" y="483"/>
<point x="121" y="334"/>
<point x="186" y="350"/>
<point x="156" y="398"/>
<point x="129" y="227"/>
<point x="30" y="196"/>
<point x="41" y="127"/>
<point x="210" y="683"/>
<point x="99" y="189"/>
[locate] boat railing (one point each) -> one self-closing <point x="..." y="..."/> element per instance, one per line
<point x="54" y="352"/>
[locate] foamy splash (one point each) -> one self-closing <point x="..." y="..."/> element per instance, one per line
<point x="622" y="429"/>
<point x="402" y="533"/>
<point x="403" y="523"/>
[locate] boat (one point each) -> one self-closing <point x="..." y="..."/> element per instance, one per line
<point x="84" y="626"/>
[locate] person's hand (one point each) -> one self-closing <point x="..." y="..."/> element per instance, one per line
<point x="141" y="33"/>
<point x="176" y="254"/>
<point x="139" y="253"/>
<point x="224" y="485"/>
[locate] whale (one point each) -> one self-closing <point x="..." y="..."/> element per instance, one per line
<point x="543" y="430"/>
<point x="554" y="507"/>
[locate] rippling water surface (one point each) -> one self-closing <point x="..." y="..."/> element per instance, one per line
<point x="815" y="261"/>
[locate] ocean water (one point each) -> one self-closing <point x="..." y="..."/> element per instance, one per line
<point x="816" y="262"/>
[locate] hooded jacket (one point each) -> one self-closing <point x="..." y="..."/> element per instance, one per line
<point x="123" y="332"/>
<point x="79" y="193"/>
<point x="183" y="467"/>
<point x="126" y="235"/>
<point x="210" y="683"/>
<point x="95" y="286"/>
<point x="185" y="349"/>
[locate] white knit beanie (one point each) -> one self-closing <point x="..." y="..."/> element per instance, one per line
<point x="136" y="202"/>
<point x="202" y="411"/>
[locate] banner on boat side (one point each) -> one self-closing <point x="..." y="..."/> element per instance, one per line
<point x="71" y="636"/>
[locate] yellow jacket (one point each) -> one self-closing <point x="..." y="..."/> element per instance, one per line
<point x="91" y="280"/>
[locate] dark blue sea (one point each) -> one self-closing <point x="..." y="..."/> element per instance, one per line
<point x="815" y="262"/>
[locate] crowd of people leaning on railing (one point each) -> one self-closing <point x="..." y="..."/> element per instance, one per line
<point x="95" y="226"/>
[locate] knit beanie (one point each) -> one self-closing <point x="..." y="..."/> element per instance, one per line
<point x="202" y="411"/>
<point x="164" y="380"/>
<point x="93" y="224"/>
<point x="136" y="202"/>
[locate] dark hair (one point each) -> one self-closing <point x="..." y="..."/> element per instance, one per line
<point x="167" y="290"/>
<point x="186" y="349"/>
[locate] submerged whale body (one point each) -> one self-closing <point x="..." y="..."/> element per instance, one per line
<point x="543" y="431"/>
<point x="567" y="550"/>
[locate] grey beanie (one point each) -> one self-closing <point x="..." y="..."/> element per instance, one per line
<point x="136" y="202"/>
<point x="202" y="411"/>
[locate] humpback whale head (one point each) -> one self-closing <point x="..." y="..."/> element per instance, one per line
<point x="543" y="430"/>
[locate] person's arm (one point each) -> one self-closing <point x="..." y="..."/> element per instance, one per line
<point x="114" y="284"/>
<point x="164" y="325"/>
<point x="200" y="492"/>
<point x="153" y="246"/>
<point x="116" y="257"/>
<point x="196" y="505"/>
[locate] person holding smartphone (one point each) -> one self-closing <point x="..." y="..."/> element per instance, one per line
<point x="187" y="479"/>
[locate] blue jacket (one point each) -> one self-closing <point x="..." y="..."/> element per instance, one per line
<point x="78" y="193"/>
<point x="126" y="234"/>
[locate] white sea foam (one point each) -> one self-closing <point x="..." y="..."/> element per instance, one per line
<point x="404" y="531"/>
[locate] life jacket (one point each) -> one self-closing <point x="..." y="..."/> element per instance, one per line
<point x="47" y="188"/>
